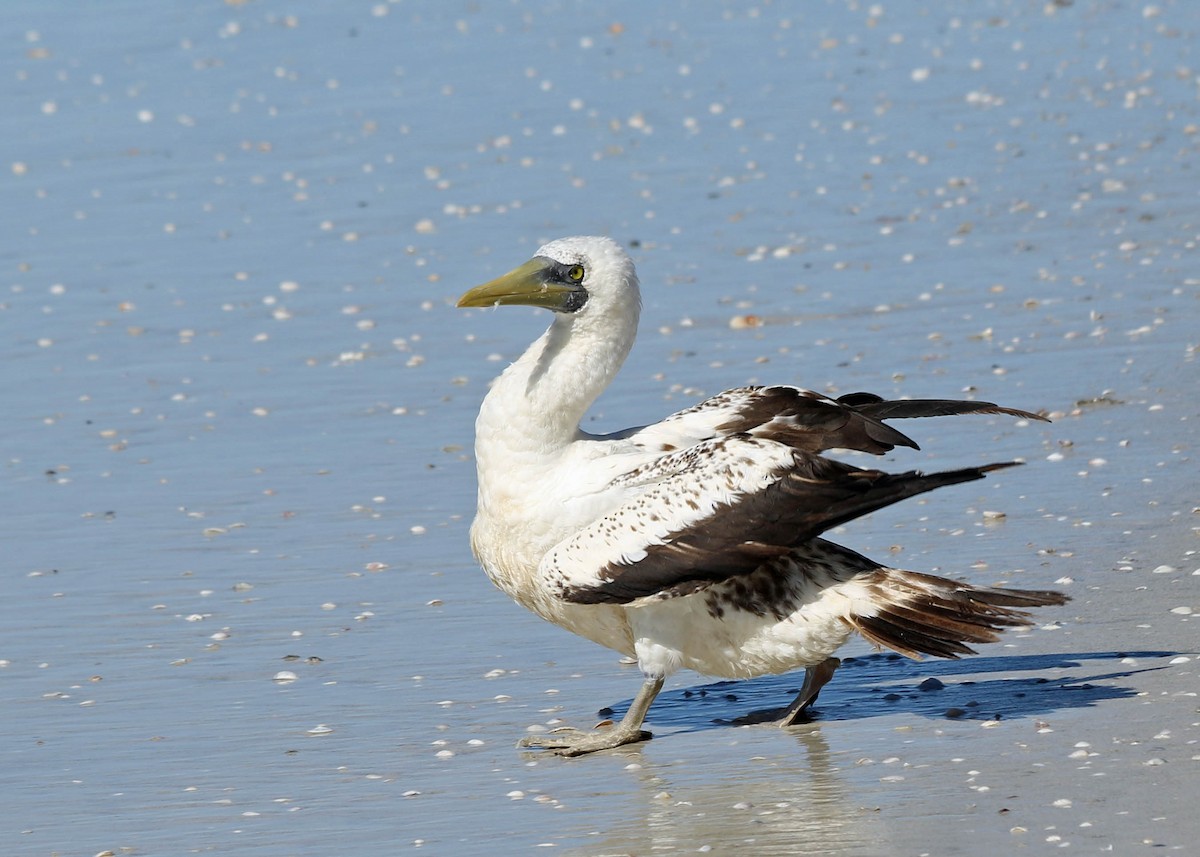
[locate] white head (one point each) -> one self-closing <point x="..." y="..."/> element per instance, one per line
<point x="586" y="280"/>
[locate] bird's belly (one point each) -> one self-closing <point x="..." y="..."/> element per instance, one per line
<point x="683" y="633"/>
<point x="606" y="624"/>
<point x="776" y="623"/>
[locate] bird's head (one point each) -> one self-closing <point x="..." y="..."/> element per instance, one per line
<point x="581" y="278"/>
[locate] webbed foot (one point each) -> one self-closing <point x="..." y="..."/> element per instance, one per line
<point x="577" y="742"/>
<point x="815" y="678"/>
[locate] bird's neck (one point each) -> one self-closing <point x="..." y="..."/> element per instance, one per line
<point x="535" y="407"/>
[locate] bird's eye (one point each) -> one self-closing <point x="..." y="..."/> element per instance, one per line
<point x="575" y="273"/>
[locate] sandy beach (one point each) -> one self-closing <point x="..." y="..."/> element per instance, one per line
<point x="240" y="611"/>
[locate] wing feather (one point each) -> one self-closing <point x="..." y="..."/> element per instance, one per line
<point x="804" y="420"/>
<point x="717" y="510"/>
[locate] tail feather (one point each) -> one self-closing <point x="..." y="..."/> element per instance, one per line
<point x="919" y="614"/>
<point x="907" y="640"/>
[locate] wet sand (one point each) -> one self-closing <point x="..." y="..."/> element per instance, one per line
<point x="240" y="613"/>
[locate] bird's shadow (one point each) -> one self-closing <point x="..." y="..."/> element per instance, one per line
<point x="885" y="683"/>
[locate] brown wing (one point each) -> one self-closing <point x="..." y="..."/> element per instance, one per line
<point x="676" y="538"/>
<point x="806" y="420"/>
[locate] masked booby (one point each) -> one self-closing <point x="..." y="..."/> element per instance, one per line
<point x="695" y="542"/>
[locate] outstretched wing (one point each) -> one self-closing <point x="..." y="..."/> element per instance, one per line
<point x="804" y="420"/>
<point x="716" y="510"/>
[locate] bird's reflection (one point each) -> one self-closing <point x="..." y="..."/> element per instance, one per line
<point x="794" y="803"/>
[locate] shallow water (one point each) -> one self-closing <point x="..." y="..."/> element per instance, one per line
<point x="238" y="405"/>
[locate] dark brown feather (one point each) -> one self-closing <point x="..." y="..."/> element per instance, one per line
<point x="868" y="404"/>
<point x="919" y="614"/>
<point x="814" y="495"/>
<point x="810" y="422"/>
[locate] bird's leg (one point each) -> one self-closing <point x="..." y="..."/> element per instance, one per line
<point x="815" y="678"/>
<point x="574" y="742"/>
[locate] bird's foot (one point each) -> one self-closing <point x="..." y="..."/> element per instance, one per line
<point x="815" y="678"/>
<point x="576" y="742"/>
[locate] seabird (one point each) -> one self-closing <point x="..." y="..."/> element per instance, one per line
<point x="694" y="542"/>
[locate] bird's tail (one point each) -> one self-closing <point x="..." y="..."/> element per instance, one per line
<point x="920" y="614"/>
